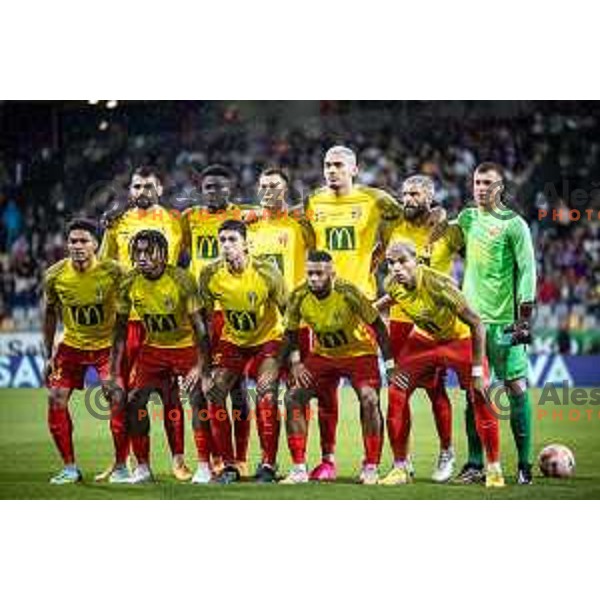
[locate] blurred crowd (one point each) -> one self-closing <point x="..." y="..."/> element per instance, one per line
<point x="540" y="151"/>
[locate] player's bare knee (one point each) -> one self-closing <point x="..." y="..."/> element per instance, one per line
<point x="369" y="399"/>
<point x="58" y="398"/>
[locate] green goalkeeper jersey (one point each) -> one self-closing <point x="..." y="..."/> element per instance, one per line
<point x="500" y="263"/>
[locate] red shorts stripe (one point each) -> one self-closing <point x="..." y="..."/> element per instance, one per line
<point x="70" y="365"/>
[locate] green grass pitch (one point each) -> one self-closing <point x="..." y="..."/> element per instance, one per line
<point x="28" y="458"/>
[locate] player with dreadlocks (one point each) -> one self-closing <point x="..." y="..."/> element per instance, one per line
<point x="176" y="345"/>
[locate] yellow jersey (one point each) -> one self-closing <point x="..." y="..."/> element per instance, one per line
<point x="433" y="305"/>
<point x="285" y="241"/>
<point x="439" y="256"/>
<point x="349" y="228"/>
<point x="337" y="321"/>
<point x="164" y="305"/>
<point x="87" y="301"/>
<point x="252" y="301"/>
<point x="115" y="243"/>
<point x="200" y="234"/>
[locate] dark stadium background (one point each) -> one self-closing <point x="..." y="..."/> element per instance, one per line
<point x="58" y="159"/>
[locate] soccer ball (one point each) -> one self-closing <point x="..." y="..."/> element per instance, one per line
<point x="556" y="460"/>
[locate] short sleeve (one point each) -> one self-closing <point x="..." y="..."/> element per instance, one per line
<point x="358" y="302"/>
<point x="124" y="295"/>
<point x="293" y="314"/>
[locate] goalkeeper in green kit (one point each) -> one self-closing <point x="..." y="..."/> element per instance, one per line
<point x="499" y="284"/>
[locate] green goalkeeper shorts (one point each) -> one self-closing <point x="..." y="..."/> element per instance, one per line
<point x="506" y="362"/>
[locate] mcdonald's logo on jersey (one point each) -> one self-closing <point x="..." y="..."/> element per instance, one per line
<point x="341" y="238"/>
<point x="241" y="320"/>
<point x="207" y="247"/>
<point x="160" y="323"/>
<point x="332" y="339"/>
<point x="89" y="315"/>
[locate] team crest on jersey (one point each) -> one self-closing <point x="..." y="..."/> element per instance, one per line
<point x="283" y="239"/>
<point x="495" y="230"/>
<point x="356" y="212"/>
<point x="252" y="298"/>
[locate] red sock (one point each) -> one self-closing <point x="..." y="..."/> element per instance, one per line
<point x="373" y="445"/>
<point x="174" y="421"/>
<point x="241" y="433"/>
<point x="487" y="427"/>
<point x="141" y="448"/>
<point x="442" y="413"/>
<point x="297" y="446"/>
<point x="118" y="428"/>
<point x="61" y="428"/>
<point x="328" y="419"/>
<point x="267" y="421"/>
<point x="221" y="434"/>
<point x="202" y="440"/>
<point x="398" y="421"/>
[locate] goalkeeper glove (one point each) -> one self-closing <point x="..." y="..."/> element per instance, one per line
<point x="520" y="332"/>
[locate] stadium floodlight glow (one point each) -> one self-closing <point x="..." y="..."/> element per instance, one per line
<point x="103" y="125"/>
<point x="92" y="102"/>
<point x="111" y="104"/>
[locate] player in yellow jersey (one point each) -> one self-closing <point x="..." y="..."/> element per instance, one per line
<point x="416" y="226"/>
<point x="143" y="212"/>
<point x="176" y="344"/>
<point x="252" y="296"/>
<point x="339" y="315"/>
<point x="281" y="233"/>
<point x="81" y="291"/>
<point x="448" y="334"/>
<point x="200" y="234"/>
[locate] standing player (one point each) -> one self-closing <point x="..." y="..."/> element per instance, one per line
<point x="448" y="334"/>
<point x="337" y="313"/>
<point x="500" y="284"/>
<point x="175" y="345"/>
<point x="252" y="296"/>
<point x="415" y="226"/>
<point x="200" y="235"/>
<point x="281" y="233"/>
<point x="144" y="212"/>
<point x="80" y="290"/>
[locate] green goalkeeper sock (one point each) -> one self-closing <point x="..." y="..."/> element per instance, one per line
<point x="520" y="424"/>
<point x="474" y="446"/>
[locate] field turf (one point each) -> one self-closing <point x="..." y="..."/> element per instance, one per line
<point x="28" y="458"/>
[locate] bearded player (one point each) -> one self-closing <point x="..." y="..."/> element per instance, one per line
<point x="448" y="333"/>
<point x="500" y="283"/>
<point x="175" y="345"/>
<point x="338" y="315"/>
<point x="143" y="212"/>
<point x="81" y="291"/>
<point x="251" y="294"/>
<point x="415" y="226"/>
<point x="200" y="234"/>
<point x="350" y="222"/>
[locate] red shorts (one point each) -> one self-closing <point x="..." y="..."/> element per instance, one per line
<point x="136" y="334"/>
<point x="305" y="341"/>
<point x="217" y="324"/>
<point x="244" y="361"/>
<point x="421" y="357"/>
<point x="362" y="371"/>
<point x="70" y="365"/>
<point x="157" y="367"/>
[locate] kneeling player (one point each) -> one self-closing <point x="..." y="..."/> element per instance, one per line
<point x="337" y="312"/>
<point x="448" y="334"/>
<point x="82" y="291"/>
<point x="175" y="345"/>
<point x="252" y="296"/>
